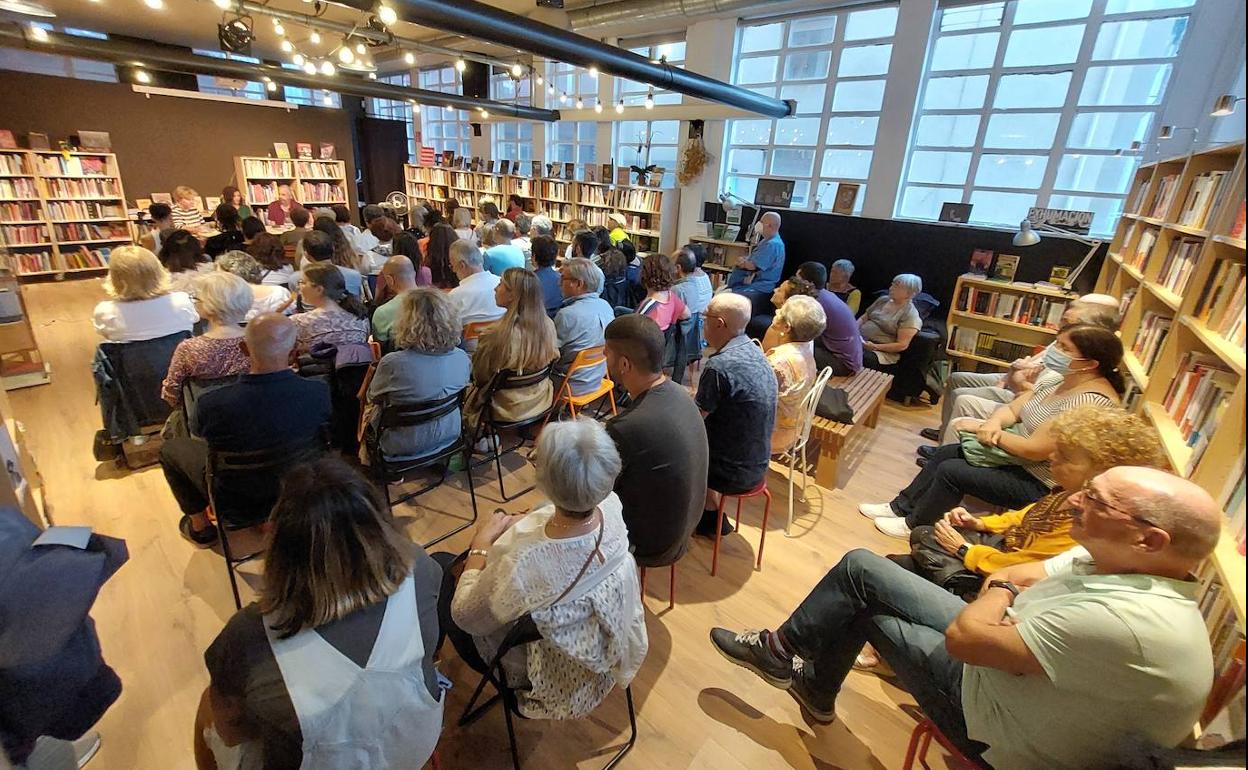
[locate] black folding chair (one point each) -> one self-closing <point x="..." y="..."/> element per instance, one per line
<point x="524" y="631"/>
<point x="194" y="389"/>
<point x="489" y="428"/>
<point x="396" y="471"/>
<point x="261" y="471"/>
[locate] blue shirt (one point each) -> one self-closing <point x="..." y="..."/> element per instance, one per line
<point x="737" y="390"/>
<point x="552" y="297"/>
<point x="768" y="259"/>
<point x="499" y="258"/>
<point x="580" y="324"/>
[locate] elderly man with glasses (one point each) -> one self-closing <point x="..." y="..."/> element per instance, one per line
<point x="1056" y="663"/>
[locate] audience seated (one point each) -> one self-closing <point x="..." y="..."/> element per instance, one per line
<point x="407" y="245"/>
<point x="318" y="248"/>
<point x="270" y="406"/>
<point x="275" y="269"/>
<point x="230" y="236"/>
<point x="223" y="300"/>
<point x="692" y="285"/>
<point x="427" y="365"/>
<point x="337" y="317"/>
<point x="840" y="345"/>
<point x="582" y="318"/>
<point x="251" y="227"/>
<point x="461" y="220"/>
<point x="266" y="298"/>
<point x="233" y="196"/>
<point x="398" y="277"/>
<point x="342" y="252"/>
<point x="438" y="256"/>
<point x="794" y="286"/>
<point x="615" y="288"/>
<point x="383" y="229"/>
<point x="661" y="304"/>
<point x="616" y="232"/>
<point x="160" y="219"/>
<point x="540" y="225"/>
<point x="500" y="254"/>
<point x="960" y="550"/>
<point x="662" y="444"/>
<point x="575" y="227"/>
<point x="522" y="241"/>
<point x="489" y="215"/>
<point x="141" y="306"/>
<point x="737" y="398"/>
<point x="1055" y="664"/>
<point x="888" y="326"/>
<point x="300" y="218"/>
<point x="523" y="341"/>
<point x="632" y="271"/>
<point x="566" y="565"/>
<point x="545" y="252"/>
<point x="342" y="217"/>
<point x="279" y="210"/>
<point x="838" y="283"/>
<point x="790" y="351"/>
<point x="183" y="257"/>
<point x="474" y="294"/>
<point x="334" y="665"/>
<point x="515" y="207"/>
<point x="188" y="209"/>
<point x="1008" y="464"/>
<point x="366" y="240"/>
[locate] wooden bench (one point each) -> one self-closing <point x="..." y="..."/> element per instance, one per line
<point x="866" y="391"/>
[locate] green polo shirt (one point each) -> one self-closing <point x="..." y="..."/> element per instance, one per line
<point x="383" y="320"/>
<point x="1123" y="654"/>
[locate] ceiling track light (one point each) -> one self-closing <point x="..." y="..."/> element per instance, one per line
<point x="298" y="59"/>
<point x="387" y="14"/>
<point x="1225" y="105"/>
<point x="345" y="54"/>
<point x="223" y="4"/>
<point x="38" y="34"/>
<point x="409" y="58"/>
<point x="314" y="38"/>
<point x="517" y="71"/>
<point x="485" y="114"/>
<point x="271" y="86"/>
<point x="287" y="46"/>
<point x="361" y="48"/>
<point x="593" y="72"/>
<point x="142" y="76"/>
<point x="327" y="68"/>
<point x="309" y="67"/>
<point x="279" y="29"/>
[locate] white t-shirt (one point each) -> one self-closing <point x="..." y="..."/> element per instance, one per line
<point x="269" y="299"/>
<point x="145" y="319"/>
<point x="474" y="298"/>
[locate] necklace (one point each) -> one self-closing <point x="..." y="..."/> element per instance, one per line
<point x="557" y="525"/>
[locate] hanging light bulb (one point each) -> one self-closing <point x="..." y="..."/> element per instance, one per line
<point x="287" y="46"/>
<point x="619" y="108"/>
<point x="540" y="80"/>
<point x="550" y="89"/>
<point x="563" y="98"/>
<point x="415" y="107"/>
<point x="298" y="59"/>
<point x="327" y="99"/>
<point x="593" y="72"/>
<point x="223" y="4"/>
<point x="580" y="104"/>
<point x="276" y="21"/>
<point x="346" y="55"/>
<point x="372" y="76"/>
<point x="485" y="114"/>
<point x="598" y="107"/>
<point x="327" y="67"/>
<point x="650" y="100"/>
<point x="409" y="58"/>
<point x="271" y="86"/>
<point x="360" y="48"/>
<point x="142" y="76"/>
<point x="279" y="29"/>
<point x="314" y="38"/>
<point x="309" y="67"/>
<point x="461" y="65"/>
<point x="387" y="14"/>
<point x="517" y="70"/>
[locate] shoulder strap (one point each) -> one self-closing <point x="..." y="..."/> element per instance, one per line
<point x="588" y="561"/>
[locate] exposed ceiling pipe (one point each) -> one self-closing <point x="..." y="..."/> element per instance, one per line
<point x="628" y="12"/>
<point x="469" y="17"/>
<point x="178" y="60"/>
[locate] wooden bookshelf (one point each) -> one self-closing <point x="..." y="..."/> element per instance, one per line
<point x="61" y="212"/>
<point x="1023" y="315"/>
<point x="312" y="182"/>
<point x="1213" y="455"/>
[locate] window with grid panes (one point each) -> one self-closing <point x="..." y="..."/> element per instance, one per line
<point x="663" y="136"/>
<point x="571" y="141"/>
<point x="396" y="109"/>
<point x="21" y="60"/>
<point x="834" y="65"/>
<point x="313" y="97"/>
<point x="443" y="128"/>
<point x="1025" y="101"/>
<point x="512" y="140"/>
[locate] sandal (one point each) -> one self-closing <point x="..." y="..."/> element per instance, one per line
<point x="200" y="537"/>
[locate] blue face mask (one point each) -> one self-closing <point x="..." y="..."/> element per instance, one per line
<point x="1056" y="361"/>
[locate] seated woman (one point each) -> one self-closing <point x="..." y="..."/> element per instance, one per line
<point x="615" y="280"/>
<point x="790" y="351"/>
<point x="233" y="196"/>
<point x="522" y="341"/>
<point x="661" y="304"/>
<point x="1087" y="358"/>
<point x="183" y="256"/>
<point x="230" y="235"/>
<point x="142" y="305"/>
<point x="265" y="298"/>
<point x="692" y="283"/>
<point x="350" y="632"/>
<point x="426" y="366"/>
<point x="795" y="286"/>
<point x="343" y="253"/>
<point x="408" y="245"/>
<point x="838" y="283"/>
<point x="275" y="270"/>
<point x="223" y="300"/>
<point x="337" y="317"/>
<point x="890" y="323"/>
<point x="438" y="255"/>
<point x="567" y="565"/>
<point x="252" y="227"/>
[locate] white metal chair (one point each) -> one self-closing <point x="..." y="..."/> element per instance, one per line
<point x="796" y="453"/>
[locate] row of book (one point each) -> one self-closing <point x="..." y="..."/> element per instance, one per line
<point x="462" y="181"/>
<point x="1237" y="227"/>
<point x="638" y="200"/>
<point x="1233" y="505"/>
<point x="560" y="191"/>
<point x="559" y="212"/>
<point x="1154" y="328"/>
<point x="12" y="164"/>
<point x="322" y="192"/>
<point x="1180" y="263"/>
<point x="30" y="261"/>
<point x="1020" y="308"/>
<point x="466" y="199"/>
<point x="592" y="195"/>
<point x="84" y="258"/>
<point x="1167" y="188"/>
<point x="320" y="168"/>
<point x="1204" y="195"/>
<point x="74" y="165"/>
<point x="1226" y="642"/>
<point x="1196" y="400"/>
<point x="81" y="188"/>
<point x="20" y="211"/>
<point x="269" y="169"/>
<point x="85" y="210"/>
<point x="489" y="185"/>
<point x="523" y="188"/>
<point x="18" y="235"/>
<point x="81" y="231"/>
<point x="988" y="344"/>
<point x="46" y="261"/>
<point x="18" y="188"/>
<point x="1221" y="302"/>
<point x="1143" y="247"/>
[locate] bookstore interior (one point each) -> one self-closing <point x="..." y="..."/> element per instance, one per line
<point x="297" y="295"/>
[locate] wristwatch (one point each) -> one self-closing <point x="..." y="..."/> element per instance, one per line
<point x="1007" y="585"/>
<point x="963" y="550"/>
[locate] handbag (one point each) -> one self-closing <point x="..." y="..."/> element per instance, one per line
<point x="834" y="405"/>
<point x="981" y="456"/>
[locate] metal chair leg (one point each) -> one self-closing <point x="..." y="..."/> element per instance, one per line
<point x="632" y="735"/>
<point x="511" y="737"/>
<point x="224" y="537"/>
<point x="762" y="538"/>
<point x="671" y="588"/>
<point x="719" y="528"/>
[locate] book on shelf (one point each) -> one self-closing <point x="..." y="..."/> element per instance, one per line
<point x="1139" y="194"/>
<point x="319" y="168"/>
<point x="327" y="151"/>
<point x="1203" y="194"/>
<point x="1233" y="506"/>
<point x="303" y="150"/>
<point x="622" y="176"/>
<point x="1237" y="227"/>
<point x="636" y="199"/>
<point x="1179" y="264"/>
<point x="24" y="235"/>
<point x="261" y="194"/>
<point x="281" y="150"/>
<point x="1221" y="303"/>
<point x="1028" y="309"/>
<point x="20" y="211"/>
<point x="1131" y="398"/>
<point x="7" y="140"/>
<point x="82" y="231"/>
<point x="987" y="344"/>
<point x="12" y="164"/>
<point x="1144" y="248"/>
<point x="1006" y="267"/>
<point x="1197" y="398"/>
<point x="595" y="196"/>
<point x="31" y="262"/>
<point x="322" y="192"/>
<point x="1154" y="327"/>
<point x="1166" y="190"/>
<point x="18" y="188"/>
<point x="85" y="210"/>
<point x="74" y="165"/>
<point x="83" y="258"/>
<point x="81" y="188"/>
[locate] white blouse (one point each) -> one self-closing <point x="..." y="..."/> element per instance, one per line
<point x="269" y="299"/>
<point x="144" y="319"/>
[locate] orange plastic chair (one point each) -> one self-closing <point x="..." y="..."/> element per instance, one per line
<point x="362" y="395"/>
<point x="475" y="329"/>
<point x="762" y="490"/>
<point x="584" y="359"/>
<point x="921" y="740"/>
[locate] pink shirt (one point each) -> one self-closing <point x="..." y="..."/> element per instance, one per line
<point x="663" y="312"/>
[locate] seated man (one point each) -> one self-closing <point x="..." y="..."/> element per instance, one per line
<point x="979" y="394"/>
<point x="399" y="277"/>
<point x="270" y="406"/>
<point x="840" y="344"/>
<point x="580" y="322"/>
<point x="662" y="443"/>
<point x="1052" y="672"/>
<point x="737" y="394"/>
<point x="758" y="272"/>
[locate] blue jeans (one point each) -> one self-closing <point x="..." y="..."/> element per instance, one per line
<point x="867" y="598"/>
<point x="948" y="477"/>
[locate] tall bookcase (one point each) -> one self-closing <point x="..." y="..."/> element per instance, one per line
<point x="312" y="182"/>
<point x="992" y="323"/>
<point x="1178" y="262"/>
<point x="61" y="212"/>
<point x="650" y="211"/>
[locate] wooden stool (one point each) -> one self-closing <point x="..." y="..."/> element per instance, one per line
<point x="671" y="590"/>
<point x="761" y="489"/>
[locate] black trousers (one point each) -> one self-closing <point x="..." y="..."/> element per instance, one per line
<point x="185" y="463"/>
<point x="465" y="646"/>
<point x="824" y="359"/>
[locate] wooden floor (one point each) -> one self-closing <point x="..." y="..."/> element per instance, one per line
<point x="695" y="710"/>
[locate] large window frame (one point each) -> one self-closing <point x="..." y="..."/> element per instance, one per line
<point x="443" y="128"/>
<point x="396" y="109"/>
<point x="663" y="135"/>
<point x="512" y="139"/>
<point x="39" y="63"/>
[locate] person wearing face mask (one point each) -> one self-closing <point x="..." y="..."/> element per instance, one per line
<point x="1087" y="358"/>
<point x="758" y="272"/>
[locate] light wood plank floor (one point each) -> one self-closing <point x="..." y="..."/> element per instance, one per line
<point x="695" y="710"/>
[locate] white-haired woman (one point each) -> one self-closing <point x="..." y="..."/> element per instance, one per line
<point x="223" y="300"/>
<point x="790" y="351"/>
<point x="890" y="323"/>
<point x="141" y="305"/>
<point x="265" y="298"/>
<point x="567" y="565"/>
<point x="839" y="275"/>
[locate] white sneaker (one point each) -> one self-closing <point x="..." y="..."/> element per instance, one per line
<point x="876" y="510"/>
<point x="86" y="747"/>
<point x="893" y="527"/>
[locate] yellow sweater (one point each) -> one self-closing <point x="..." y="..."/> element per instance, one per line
<point x="1036" y="532"/>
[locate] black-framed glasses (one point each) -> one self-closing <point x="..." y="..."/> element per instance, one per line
<point x="1088" y="494"/>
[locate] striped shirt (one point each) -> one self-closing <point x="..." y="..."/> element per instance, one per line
<point x="185" y="219"/>
<point x="1044" y="406"/>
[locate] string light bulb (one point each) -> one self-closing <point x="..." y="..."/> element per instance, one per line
<point x="314" y="38"/>
<point x="223" y="4"/>
<point x="279" y="29"/>
<point x="309" y="67"/>
<point x="485" y="113"/>
<point x="298" y="59"/>
<point x="540" y="80"/>
<point x="387" y="14"/>
<point x="142" y="76"/>
<point x="550" y="89"/>
<point x="287" y="46"/>
<point x="327" y="68"/>
<point x="409" y="58"/>
<point x="619" y="108"/>
<point x="271" y="86"/>
<point x="38" y="34"/>
<point x="517" y="70"/>
<point x="650" y="100"/>
<point x="593" y="72"/>
<point x="580" y="104"/>
<point x="155" y="5"/>
<point x="361" y="49"/>
<point x="327" y="99"/>
<point x="563" y="98"/>
<point x="346" y="55"/>
<point x="460" y="65"/>
<point x="598" y="107"/>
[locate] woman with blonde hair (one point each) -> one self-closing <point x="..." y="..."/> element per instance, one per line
<point x="522" y="341"/>
<point x="188" y="213"/>
<point x="333" y="666"/>
<point x="790" y="351"/>
<point x="223" y="300"/>
<point x="142" y="306"/>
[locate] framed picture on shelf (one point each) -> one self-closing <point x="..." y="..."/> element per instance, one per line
<point x="327" y="151"/>
<point x="955" y="212"/>
<point x="281" y="150"/>
<point x="38" y="141"/>
<point x="303" y="150"/>
<point x="622" y="175"/>
<point x="605" y="176"/>
<point x="7" y="140"/>
<point x="656" y="176"/>
<point x="162" y="197"/>
<point x="591" y="172"/>
<point x="846" y="197"/>
<point x="981" y="261"/>
<point x="1006" y="267"/>
<point x="94" y="140"/>
<point x="569" y="171"/>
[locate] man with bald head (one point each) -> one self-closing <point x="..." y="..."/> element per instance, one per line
<point x="399" y="275"/>
<point x="268" y="407"/>
<point x="1056" y="664"/>
<point x="737" y="397"/>
<point x="759" y="271"/>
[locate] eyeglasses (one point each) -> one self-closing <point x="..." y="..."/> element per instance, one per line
<point x="1092" y="497"/>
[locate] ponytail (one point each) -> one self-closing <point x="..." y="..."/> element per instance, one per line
<point x="1116" y="380"/>
<point x="352" y="304"/>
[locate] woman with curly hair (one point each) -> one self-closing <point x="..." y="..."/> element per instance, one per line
<point x="661" y="304"/>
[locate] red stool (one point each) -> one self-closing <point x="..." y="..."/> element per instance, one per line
<point x="921" y="739"/>
<point x="761" y="489"/>
<point x="671" y="590"/>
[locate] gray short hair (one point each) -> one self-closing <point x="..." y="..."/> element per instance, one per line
<point x="804" y="316"/>
<point x="461" y="218"/>
<point x="523" y="223"/>
<point x="845" y="266"/>
<point x="224" y="297"/>
<point x="581" y="269"/>
<point x="577" y="463"/>
<point x="542" y="224"/>
<point x="242" y="264"/>
<point x="503" y="231"/>
<point x="910" y="282"/>
<point x="467" y="252"/>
